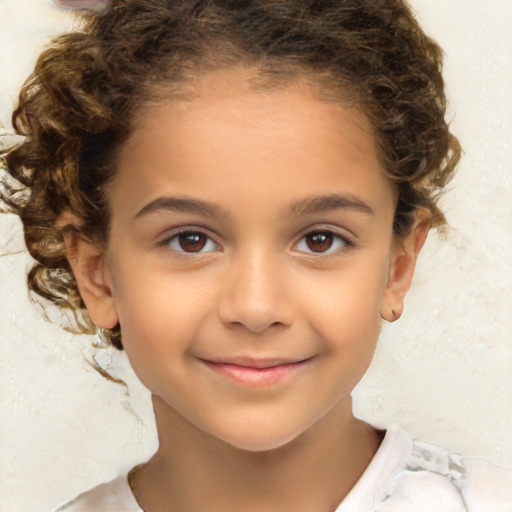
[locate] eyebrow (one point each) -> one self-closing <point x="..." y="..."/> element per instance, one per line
<point x="306" y="206"/>
<point x="325" y="203"/>
<point x="183" y="204"/>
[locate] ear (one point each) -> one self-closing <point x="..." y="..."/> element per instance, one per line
<point x="93" y="278"/>
<point x="402" y="263"/>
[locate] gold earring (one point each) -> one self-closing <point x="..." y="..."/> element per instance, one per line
<point x="392" y="316"/>
<point x="395" y="315"/>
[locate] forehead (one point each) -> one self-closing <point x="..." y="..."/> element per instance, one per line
<point x="254" y="101"/>
<point x="226" y="132"/>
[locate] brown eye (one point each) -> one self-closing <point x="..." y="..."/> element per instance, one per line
<point x="323" y="243"/>
<point x="319" y="242"/>
<point x="191" y="242"/>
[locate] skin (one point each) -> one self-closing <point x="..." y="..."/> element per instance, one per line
<point x="268" y="286"/>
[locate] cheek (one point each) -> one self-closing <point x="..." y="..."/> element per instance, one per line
<point x="347" y="308"/>
<point x="157" y="314"/>
<point x="349" y="325"/>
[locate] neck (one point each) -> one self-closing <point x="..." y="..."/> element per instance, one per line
<point x="192" y="470"/>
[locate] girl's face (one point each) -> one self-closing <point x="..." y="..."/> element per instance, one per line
<point x="250" y="257"/>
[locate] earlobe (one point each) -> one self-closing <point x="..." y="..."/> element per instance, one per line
<point x="93" y="279"/>
<point x="402" y="264"/>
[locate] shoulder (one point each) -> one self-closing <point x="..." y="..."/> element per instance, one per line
<point x="434" y="479"/>
<point x="115" y="495"/>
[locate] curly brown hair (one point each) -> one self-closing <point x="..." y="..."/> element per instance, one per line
<point x="81" y="103"/>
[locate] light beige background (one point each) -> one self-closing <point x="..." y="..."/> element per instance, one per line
<point x="444" y="371"/>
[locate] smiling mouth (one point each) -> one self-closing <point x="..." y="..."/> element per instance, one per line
<point x="257" y="372"/>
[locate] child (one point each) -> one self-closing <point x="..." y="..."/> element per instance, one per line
<point x="237" y="193"/>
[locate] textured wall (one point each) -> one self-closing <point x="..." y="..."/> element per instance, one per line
<point x="443" y="371"/>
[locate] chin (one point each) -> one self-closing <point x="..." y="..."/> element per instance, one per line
<point x="257" y="444"/>
<point x="264" y="438"/>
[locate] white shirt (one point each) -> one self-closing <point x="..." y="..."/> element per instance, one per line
<point x="403" y="476"/>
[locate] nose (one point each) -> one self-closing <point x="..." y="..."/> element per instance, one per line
<point x="255" y="295"/>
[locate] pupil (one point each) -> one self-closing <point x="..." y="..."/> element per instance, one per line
<point x="319" y="242"/>
<point x="192" y="242"/>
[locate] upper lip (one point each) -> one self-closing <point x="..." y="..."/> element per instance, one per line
<point x="257" y="362"/>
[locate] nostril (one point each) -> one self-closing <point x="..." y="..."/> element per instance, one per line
<point x="255" y="318"/>
<point x="256" y="296"/>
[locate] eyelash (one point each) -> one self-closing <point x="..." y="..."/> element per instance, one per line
<point x="167" y="241"/>
<point x="337" y="237"/>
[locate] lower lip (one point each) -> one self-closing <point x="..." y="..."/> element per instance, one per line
<point x="256" y="377"/>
